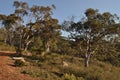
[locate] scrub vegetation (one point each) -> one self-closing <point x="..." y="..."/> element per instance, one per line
<point x="90" y="52"/>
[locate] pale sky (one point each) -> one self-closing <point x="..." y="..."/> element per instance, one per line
<point x="67" y="8"/>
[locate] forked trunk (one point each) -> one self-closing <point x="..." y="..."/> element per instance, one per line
<point x="47" y="49"/>
<point x="88" y="54"/>
<point x="87" y="60"/>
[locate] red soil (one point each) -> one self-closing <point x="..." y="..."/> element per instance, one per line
<point x="8" y="71"/>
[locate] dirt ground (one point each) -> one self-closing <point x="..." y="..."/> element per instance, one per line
<point x="8" y="71"/>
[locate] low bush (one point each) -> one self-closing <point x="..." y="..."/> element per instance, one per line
<point x="72" y="77"/>
<point x="19" y="63"/>
<point x="5" y="47"/>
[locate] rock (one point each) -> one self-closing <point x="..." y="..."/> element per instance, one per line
<point x="65" y="64"/>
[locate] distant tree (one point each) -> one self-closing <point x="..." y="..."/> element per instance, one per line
<point x="3" y="35"/>
<point x="9" y="23"/>
<point x="89" y="32"/>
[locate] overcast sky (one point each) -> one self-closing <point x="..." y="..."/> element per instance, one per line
<point x="67" y="8"/>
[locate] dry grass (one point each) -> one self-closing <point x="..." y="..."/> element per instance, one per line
<point x="51" y="69"/>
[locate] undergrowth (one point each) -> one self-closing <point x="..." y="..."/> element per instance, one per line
<point x="50" y="67"/>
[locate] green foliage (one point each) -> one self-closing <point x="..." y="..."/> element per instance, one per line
<point x="19" y="63"/>
<point x="51" y="69"/>
<point x="30" y="72"/>
<point x="37" y="46"/>
<point x="65" y="46"/>
<point x="2" y="35"/>
<point x="108" y="54"/>
<point x="72" y="77"/>
<point x="69" y="77"/>
<point x="6" y="47"/>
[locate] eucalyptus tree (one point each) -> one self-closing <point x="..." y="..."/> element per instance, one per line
<point x="3" y="35"/>
<point x="88" y="33"/>
<point x="28" y="37"/>
<point x="44" y="26"/>
<point x="21" y="10"/>
<point x="41" y="24"/>
<point x="9" y="23"/>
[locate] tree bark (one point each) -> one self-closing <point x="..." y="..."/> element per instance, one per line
<point x="87" y="59"/>
<point x="88" y="54"/>
<point x="27" y="44"/>
<point x="47" y="49"/>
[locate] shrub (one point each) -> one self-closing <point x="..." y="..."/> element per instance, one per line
<point x="69" y="77"/>
<point x="72" y="77"/>
<point x="5" y="47"/>
<point x="19" y="63"/>
<point x="31" y="72"/>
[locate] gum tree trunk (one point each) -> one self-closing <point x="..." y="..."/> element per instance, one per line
<point x="88" y="54"/>
<point x="48" y="47"/>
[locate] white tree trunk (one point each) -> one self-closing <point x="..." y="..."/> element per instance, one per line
<point x="88" y="54"/>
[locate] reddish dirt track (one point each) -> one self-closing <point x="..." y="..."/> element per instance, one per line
<point x="8" y="71"/>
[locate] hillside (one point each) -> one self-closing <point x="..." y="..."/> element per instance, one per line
<point x="55" y="67"/>
<point x="36" y="45"/>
